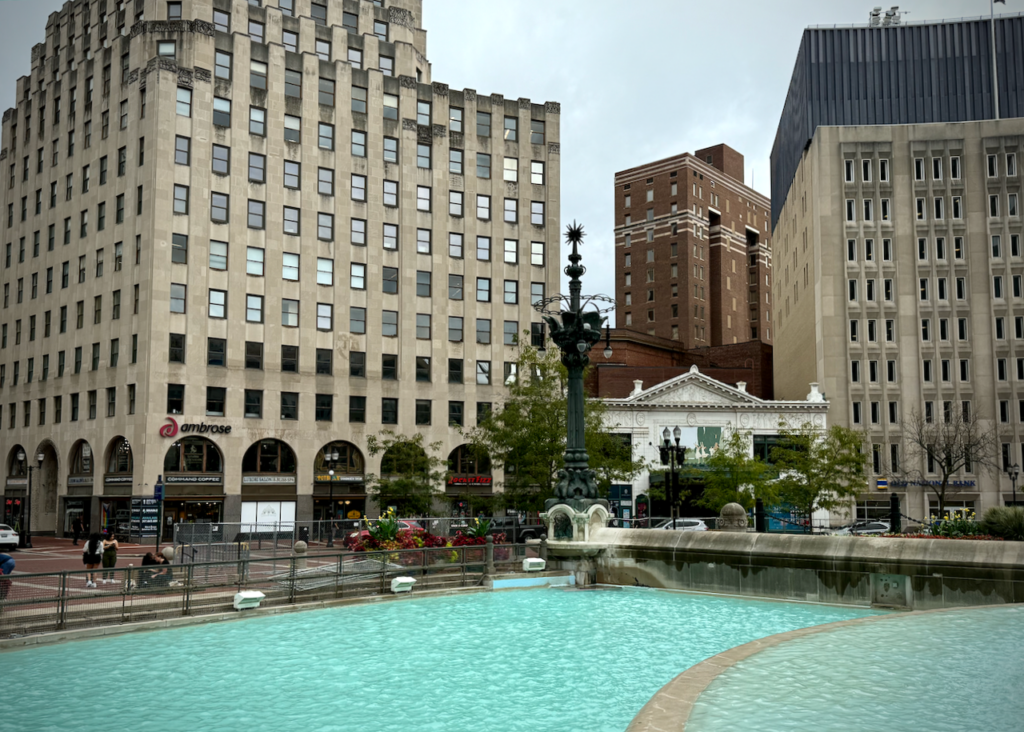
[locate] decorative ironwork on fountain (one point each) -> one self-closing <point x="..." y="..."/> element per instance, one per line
<point x="575" y="324"/>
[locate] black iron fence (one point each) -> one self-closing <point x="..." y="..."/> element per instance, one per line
<point x="54" y="601"/>
<point x="206" y="542"/>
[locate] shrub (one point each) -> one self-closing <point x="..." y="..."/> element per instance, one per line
<point x="1005" y="521"/>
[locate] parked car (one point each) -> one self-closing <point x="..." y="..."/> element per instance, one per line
<point x="683" y="524"/>
<point x="8" y="537"/>
<point x="862" y="528"/>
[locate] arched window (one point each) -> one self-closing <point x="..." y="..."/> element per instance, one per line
<point x="193" y="455"/>
<point x="16" y="467"/>
<point x="341" y="457"/>
<point x="269" y="456"/>
<point x="120" y="460"/>
<point x="81" y="459"/>
<point x="468" y="460"/>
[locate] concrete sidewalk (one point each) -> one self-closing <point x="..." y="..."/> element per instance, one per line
<point x="50" y="554"/>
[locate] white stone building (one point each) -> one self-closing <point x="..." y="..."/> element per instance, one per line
<point x="707" y="412"/>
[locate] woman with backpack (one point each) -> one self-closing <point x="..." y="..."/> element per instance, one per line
<point x="92" y="557"/>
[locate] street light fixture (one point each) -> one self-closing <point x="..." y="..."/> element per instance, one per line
<point x="25" y="535"/>
<point x="330" y="507"/>
<point x="1013" y="471"/>
<point x="673" y="456"/>
<point x="575" y="324"/>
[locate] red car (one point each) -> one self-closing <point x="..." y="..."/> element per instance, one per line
<point x="406" y="524"/>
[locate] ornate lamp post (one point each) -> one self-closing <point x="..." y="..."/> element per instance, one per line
<point x="575" y="327"/>
<point x="25" y="535"/>
<point x="674" y="456"/>
<point x="1012" y="471"/>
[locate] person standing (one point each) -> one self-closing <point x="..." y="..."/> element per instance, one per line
<point x="92" y="557"/>
<point x="6" y="567"/>
<point x="76" y="529"/>
<point x="109" y="558"/>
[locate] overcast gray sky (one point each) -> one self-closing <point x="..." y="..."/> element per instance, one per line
<point x="638" y="80"/>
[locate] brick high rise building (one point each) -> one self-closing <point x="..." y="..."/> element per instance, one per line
<point x="243" y="236"/>
<point x="692" y="250"/>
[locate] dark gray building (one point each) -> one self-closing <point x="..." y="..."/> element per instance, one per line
<point x="907" y="74"/>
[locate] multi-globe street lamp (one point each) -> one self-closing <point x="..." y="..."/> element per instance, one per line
<point x="1012" y="471"/>
<point x="575" y="324"/>
<point x="25" y="535"/>
<point x="674" y="456"/>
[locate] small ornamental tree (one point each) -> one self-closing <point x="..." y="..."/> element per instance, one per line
<point x="733" y="475"/>
<point x="526" y="433"/>
<point x="819" y="469"/>
<point x="410" y="473"/>
<point x="944" y="447"/>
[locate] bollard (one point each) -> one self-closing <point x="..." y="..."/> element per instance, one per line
<point x="895" y="522"/>
<point x="490" y="555"/>
<point x="299" y="552"/>
<point x="759" y="522"/>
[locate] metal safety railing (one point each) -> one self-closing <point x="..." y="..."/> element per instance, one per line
<point x="54" y="601"/>
<point x="207" y="542"/>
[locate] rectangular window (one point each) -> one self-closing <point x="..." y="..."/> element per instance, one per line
<point x="389" y="323"/>
<point x="257" y="121"/>
<point x="483" y="165"/>
<point x="254" y="308"/>
<point x="357" y="320"/>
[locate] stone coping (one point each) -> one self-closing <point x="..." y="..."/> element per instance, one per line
<point x="670" y="708"/>
<point x="841" y="549"/>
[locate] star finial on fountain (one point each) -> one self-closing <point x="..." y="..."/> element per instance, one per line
<point x="574" y="233"/>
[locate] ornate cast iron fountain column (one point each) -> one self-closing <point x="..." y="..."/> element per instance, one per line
<point x="575" y="329"/>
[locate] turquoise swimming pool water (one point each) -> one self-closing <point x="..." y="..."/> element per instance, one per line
<point x="956" y="671"/>
<point x="527" y="661"/>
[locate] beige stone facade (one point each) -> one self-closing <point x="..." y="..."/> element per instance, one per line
<point x="284" y="185"/>
<point x="898" y="288"/>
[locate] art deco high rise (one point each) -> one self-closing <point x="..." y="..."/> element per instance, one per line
<point x="240" y="238"/>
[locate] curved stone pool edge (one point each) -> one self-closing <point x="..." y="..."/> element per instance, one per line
<point x="670" y="708"/>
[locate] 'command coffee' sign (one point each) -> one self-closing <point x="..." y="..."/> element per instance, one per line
<point x="171" y="429"/>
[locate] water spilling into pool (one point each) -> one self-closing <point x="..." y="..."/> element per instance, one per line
<point x="947" y="672"/>
<point x="525" y="661"/>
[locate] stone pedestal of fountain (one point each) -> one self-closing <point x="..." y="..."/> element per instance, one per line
<point x="732" y="518"/>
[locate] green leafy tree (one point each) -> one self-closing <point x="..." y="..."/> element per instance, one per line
<point x="410" y="473"/>
<point x="819" y="469"/>
<point x="733" y="475"/>
<point x="526" y="433"/>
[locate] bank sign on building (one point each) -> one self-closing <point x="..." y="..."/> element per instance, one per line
<point x="707" y="412"/>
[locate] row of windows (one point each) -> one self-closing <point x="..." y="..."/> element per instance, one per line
<point x="938" y="210"/>
<point x="254" y="313"/>
<point x="91" y="406"/>
<point x="256" y="214"/>
<point x="867" y="167"/>
<point x="114" y="357"/>
<point x="254" y="400"/>
<point x="325" y="134"/>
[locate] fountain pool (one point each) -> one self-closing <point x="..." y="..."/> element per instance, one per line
<point x="946" y="671"/>
<point x="525" y="661"/>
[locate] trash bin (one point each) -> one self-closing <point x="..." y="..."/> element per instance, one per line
<point x="304" y="534"/>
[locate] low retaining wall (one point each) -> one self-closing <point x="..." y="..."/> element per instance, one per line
<point x="919" y="574"/>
